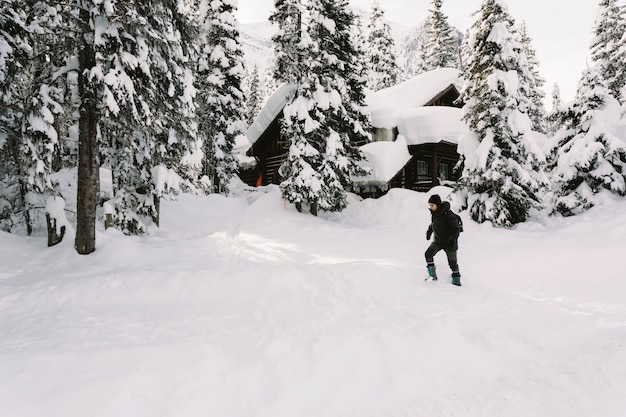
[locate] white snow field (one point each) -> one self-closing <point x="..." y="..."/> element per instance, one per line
<point x="241" y="307"/>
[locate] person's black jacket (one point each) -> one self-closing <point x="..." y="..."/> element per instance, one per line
<point x="445" y="227"/>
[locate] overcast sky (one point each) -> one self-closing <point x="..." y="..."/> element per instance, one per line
<point x="561" y="29"/>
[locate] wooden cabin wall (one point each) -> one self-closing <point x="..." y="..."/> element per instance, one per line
<point x="423" y="170"/>
<point x="249" y="176"/>
<point x="448" y="97"/>
<point x="270" y="150"/>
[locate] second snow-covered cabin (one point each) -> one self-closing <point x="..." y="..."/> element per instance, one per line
<point x="416" y="127"/>
<point x="424" y="113"/>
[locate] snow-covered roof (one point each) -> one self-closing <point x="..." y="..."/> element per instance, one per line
<point x="431" y="124"/>
<point x="389" y="104"/>
<point x="272" y="108"/>
<point x="390" y="107"/>
<point x="384" y="159"/>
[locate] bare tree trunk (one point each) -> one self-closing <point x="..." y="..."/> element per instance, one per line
<point x="157" y="208"/>
<point x="88" y="169"/>
<point x="25" y="206"/>
<point x="54" y="238"/>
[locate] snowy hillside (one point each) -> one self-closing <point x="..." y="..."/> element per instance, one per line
<point x="256" y="42"/>
<point x="256" y="39"/>
<point x="242" y="307"/>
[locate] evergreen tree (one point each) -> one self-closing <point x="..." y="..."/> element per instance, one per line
<point x="352" y="50"/>
<point x="465" y="50"/>
<point x="148" y="136"/>
<point x="222" y="104"/>
<point x="410" y="51"/>
<point x="40" y="138"/>
<point x="536" y="111"/>
<point x="114" y="62"/>
<point x="28" y="136"/>
<point x="344" y="56"/>
<point x="439" y="49"/>
<point x="116" y="124"/>
<point x="300" y="171"/>
<point x="585" y="157"/>
<point x="607" y="51"/>
<point x="360" y="52"/>
<point x="555" y="115"/>
<point x="13" y="34"/>
<point x="254" y="96"/>
<point x="501" y="178"/>
<point x="381" y="55"/>
<point x="320" y="121"/>
<point x="270" y="84"/>
<point x="288" y="58"/>
<point x="556" y="97"/>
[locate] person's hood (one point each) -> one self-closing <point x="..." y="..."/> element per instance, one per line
<point x="442" y="208"/>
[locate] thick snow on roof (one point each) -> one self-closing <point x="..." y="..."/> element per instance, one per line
<point x="431" y="124"/>
<point x="384" y="159"/>
<point x="273" y="106"/>
<point x="389" y="104"/>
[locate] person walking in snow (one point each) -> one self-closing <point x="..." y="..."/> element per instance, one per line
<point x="445" y="227"/>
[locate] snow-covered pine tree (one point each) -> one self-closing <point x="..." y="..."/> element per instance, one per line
<point x="410" y="52"/>
<point x="127" y="144"/>
<point x="554" y="117"/>
<point x="221" y="111"/>
<point x="148" y="136"/>
<point x="302" y="182"/>
<point x="608" y="51"/>
<point x="175" y="162"/>
<point x="323" y="118"/>
<point x="381" y="54"/>
<point x="536" y="111"/>
<point x="287" y="16"/>
<point x="254" y="96"/>
<point x="439" y="48"/>
<point x="28" y="137"/>
<point x="557" y="102"/>
<point x="500" y="180"/>
<point x="464" y="49"/>
<point x="179" y="155"/>
<point x="343" y="74"/>
<point x="352" y="49"/>
<point x="360" y="53"/>
<point x="307" y="177"/>
<point x="40" y="135"/>
<point x="585" y="157"/>
<point x="12" y="35"/>
<point x="270" y="84"/>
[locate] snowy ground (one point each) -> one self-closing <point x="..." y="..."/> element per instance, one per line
<point x="240" y="307"/>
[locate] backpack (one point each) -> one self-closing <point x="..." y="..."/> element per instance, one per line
<point x="458" y="219"/>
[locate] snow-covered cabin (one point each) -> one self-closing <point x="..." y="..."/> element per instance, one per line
<point x="416" y="124"/>
<point x="266" y="144"/>
<point x="424" y="113"/>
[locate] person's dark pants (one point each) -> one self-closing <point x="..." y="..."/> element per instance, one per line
<point x="450" y="253"/>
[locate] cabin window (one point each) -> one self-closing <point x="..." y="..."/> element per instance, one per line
<point x="423" y="175"/>
<point x="422" y="168"/>
<point x="443" y="171"/>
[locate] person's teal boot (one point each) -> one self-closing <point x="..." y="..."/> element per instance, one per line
<point x="432" y="273"/>
<point x="456" y="279"/>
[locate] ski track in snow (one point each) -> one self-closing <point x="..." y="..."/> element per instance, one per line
<point x="237" y="309"/>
